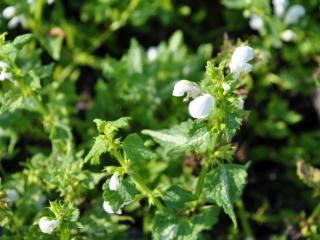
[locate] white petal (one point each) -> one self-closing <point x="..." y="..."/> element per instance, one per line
<point x="3" y="64"/>
<point x="256" y="22"/>
<point x="185" y="86"/>
<point x="5" y="75"/>
<point x="239" y="60"/>
<point x="47" y="226"/>
<point x="293" y="14"/>
<point x="15" y="21"/>
<point x="9" y="12"/>
<point x="11" y="194"/>
<point x="107" y="207"/>
<point x="201" y="106"/>
<point x="152" y="53"/>
<point x="279" y="6"/>
<point x="288" y="35"/>
<point x="114" y="183"/>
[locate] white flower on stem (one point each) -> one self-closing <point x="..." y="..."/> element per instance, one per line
<point x="15" y="21"/>
<point x="3" y="71"/>
<point x="186" y="87"/>
<point x="114" y="183"/>
<point x="152" y="53"/>
<point x="279" y="7"/>
<point x="107" y="207"/>
<point x="239" y="60"/>
<point x="48" y="226"/>
<point x="288" y="35"/>
<point x="256" y="22"/>
<point x="201" y="106"/>
<point x="293" y="14"/>
<point x="9" y="12"/>
<point x="11" y="195"/>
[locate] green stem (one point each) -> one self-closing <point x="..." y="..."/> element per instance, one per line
<point x="202" y="176"/>
<point x="142" y="187"/>
<point x="315" y="213"/>
<point x="243" y="215"/>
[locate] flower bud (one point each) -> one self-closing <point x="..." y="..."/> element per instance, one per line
<point x="279" y="7"/>
<point x="239" y="60"/>
<point x="9" y="12"/>
<point x="288" y="35"/>
<point x="201" y="106"/>
<point x="47" y="226"/>
<point x="114" y="183"/>
<point x="11" y="195"/>
<point x="152" y="54"/>
<point x="293" y="14"/>
<point x="256" y="22"/>
<point x="184" y="86"/>
<point x="107" y="207"/>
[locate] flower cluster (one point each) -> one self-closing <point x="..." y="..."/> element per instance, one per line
<point x="202" y="103"/>
<point x="289" y="17"/>
<point x="16" y="19"/>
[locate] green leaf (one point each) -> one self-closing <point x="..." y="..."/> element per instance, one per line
<point x="205" y="218"/>
<point x="308" y="174"/>
<point x="22" y="40"/>
<point x="135" y="58"/>
<point x="135" y="150"/>
<point x="99" y="147"/>
<point x="52" y="45"/>
<point x="224" y="186"/>
<point x="123" y="196"/>
<point x="111" y="127"/>
<point x="175" y="197"/>
<point x="187" y="136"/>
<point x="168" y="224"/>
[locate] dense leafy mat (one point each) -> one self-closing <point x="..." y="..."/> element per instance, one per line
<point x="140" y="119"/>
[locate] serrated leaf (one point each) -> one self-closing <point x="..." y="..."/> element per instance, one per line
<point x="169" y="225"/>
<point x="187" y="136"/>
<point x="224" y="186"/>
<point x="22" y="40"/>
<point x="135" y="150"/>
<point x="175" y="197"/>
<point x="99" y="147"/>
<point x="123" y="196"/>
<point x="308" y="174"/>
<point x="11" y="101"/>
<point x="108" y="127"/>
<point x="205" y="218"/>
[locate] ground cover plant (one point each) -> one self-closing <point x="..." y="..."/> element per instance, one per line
<point x="156" y="119"/>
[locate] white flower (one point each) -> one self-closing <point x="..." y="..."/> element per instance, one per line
<point x="47" y="226"/>
<point x="293" y="14"/>
<point x="279" y="6"/>
<point x="239" y="60"/>
<point x="152" y="53"/>
<point x="201" y="106"/>
<point x="9" y="12"/>
<point x="184" y="86"/>
<point x="11" y="195"/>
<point x="288" y="35"/>
<point x="114" y="183"/>
<point x="226" y="87"/>
<point x="50" y="2"/>
<point x="107" y="207"/>
<point x="15" y="21"/>
<point x="3" y="71"/>
<point x="256" y="22"/>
